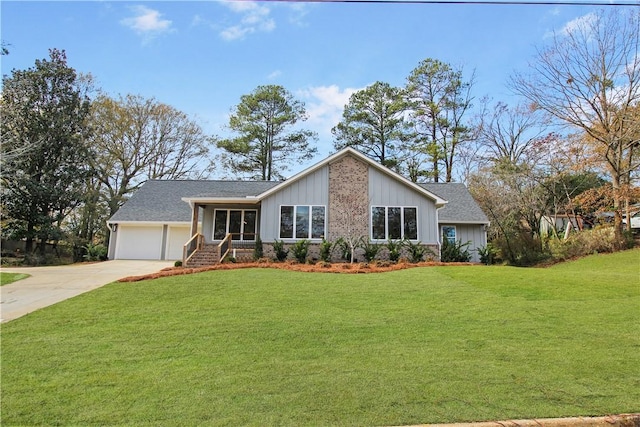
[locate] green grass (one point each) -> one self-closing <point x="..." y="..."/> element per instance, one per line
<point x="270" y="347"/>
<point x="6" y="278"/>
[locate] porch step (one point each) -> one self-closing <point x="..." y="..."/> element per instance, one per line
<point x="205" y="256"/>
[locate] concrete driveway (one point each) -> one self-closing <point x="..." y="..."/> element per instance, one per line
<point x="49" y="285"/>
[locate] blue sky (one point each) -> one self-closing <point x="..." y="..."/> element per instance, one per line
<point x="201" y="56"/>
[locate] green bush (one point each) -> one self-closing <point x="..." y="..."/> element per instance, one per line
<point x="300" y="250"/>
<point x="177" y="264"/>
<point x="395" y="249"/>
<point x="280" y="251"/>
<point x="95" y="252"/>
<point x="586" y="242"/>
<point x="454" y="251"/>
<point x="258" y="251"/>
<point x="416" y="251"/>
<point x="370" y="250"/>
<point x="488" y="254"/>
<point x="326" y="248"/>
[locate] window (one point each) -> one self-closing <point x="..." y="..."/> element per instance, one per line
<point x="241" y="223"/>
<point x="449" y="233"/>
<point x="394" y="223"/>
<point x="302" y="222"/>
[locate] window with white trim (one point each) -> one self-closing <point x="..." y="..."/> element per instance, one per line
<point x="394" y="223"/>
<point x="241" y="223"/>
<point x="302" y="222"/>
<point x="449" y="233"/>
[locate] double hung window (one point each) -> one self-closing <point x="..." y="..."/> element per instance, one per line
<point x="302" y="222"/>
<point x="394" y="223"/>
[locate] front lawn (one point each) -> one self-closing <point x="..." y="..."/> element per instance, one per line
<point x="271" y="347"/>
<point x="6" y="278"/>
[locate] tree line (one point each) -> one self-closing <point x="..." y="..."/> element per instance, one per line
<point x="72" y="155"/>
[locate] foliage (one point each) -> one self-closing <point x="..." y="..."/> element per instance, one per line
<point x="138" y="139"/>
<point x="395" y="249"/>
<point x="440" y="100"/>
<point x="326" y="249"/>
<point x="373" y="122"/>
<point x="515" y="337"/>
<point x="177" y="264"/>
<point x="95" y="252"/>
<point x="588" y="78"/>
<point x="601" y="239"/>
<point x="454" y="251"/>
<point x="417" y="251"/>
<point x="43" y="149"/>
<point x="300" y="249"/>
<point x="521" y="248"/>
<point x="370" y="250"/>
<point x="488" y="254"/>
<point x="258" y="250"/>
<point x="347" y="247"/>
<point x="265" y="146"/>
<point x="279" y="250"/>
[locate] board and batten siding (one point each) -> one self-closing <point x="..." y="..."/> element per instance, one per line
<point x="312" y="189"/>
<point x="473" y="233"/>
<point x="384" y="191"/>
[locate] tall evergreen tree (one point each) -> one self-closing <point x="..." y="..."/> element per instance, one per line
<point x="374" y="122"/>
<point x="44" y="151"/>
<point x="266" y="145"/>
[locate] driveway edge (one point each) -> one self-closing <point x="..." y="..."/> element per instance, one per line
<point x="622" y="420"/>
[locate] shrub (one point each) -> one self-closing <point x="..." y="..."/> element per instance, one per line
<point x="370" y="250"/>
<point x="454" y="251"/>
<point x="300" y="250"/>
<point x="345" y="250"/>
<point x="586" y="242"/>
<point x="488" y="254"/>
<point x="177" y="264"/>
<point x="416" y="251"/>
<point x="258" y="251"/>
<point x="326" y="248"/>
<point x="280" y="251"/>
<point x="395" y="250"/>
<point x="95" y="252"/>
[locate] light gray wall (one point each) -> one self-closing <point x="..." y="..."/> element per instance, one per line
<point x="471" y="232"/>
<point x="384" y="191"/>
<point x="313" y="189"/>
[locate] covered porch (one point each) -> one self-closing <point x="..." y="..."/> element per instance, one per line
<point x="221" y="229"/>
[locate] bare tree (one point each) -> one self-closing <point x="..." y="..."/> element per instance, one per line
<point x="588" y="78"/>
<point x="137" y="139"/>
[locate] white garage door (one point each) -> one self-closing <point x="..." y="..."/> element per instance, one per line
<point x="135" y="242"/>
<point x="177" y="237"/>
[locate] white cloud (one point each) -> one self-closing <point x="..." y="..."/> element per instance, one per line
<point x="274" y="75"/>
<point x="581" y="23"/>
<point x="147" y="22"/>
<point x="254" y="18"/>
<point x="325" y="105"/>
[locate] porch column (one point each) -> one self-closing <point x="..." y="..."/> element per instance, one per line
<point x="194" y="219"/>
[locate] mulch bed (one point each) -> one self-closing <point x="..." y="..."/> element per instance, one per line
<point x="356" y="268"/>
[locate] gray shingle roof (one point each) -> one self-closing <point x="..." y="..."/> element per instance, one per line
<point x="161" y="200"/>
<point x="461" y="207"/>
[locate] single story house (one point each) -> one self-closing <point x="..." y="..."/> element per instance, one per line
<point x="345" y="195"/>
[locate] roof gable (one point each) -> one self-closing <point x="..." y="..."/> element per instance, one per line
<point x="348" y="151"/>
